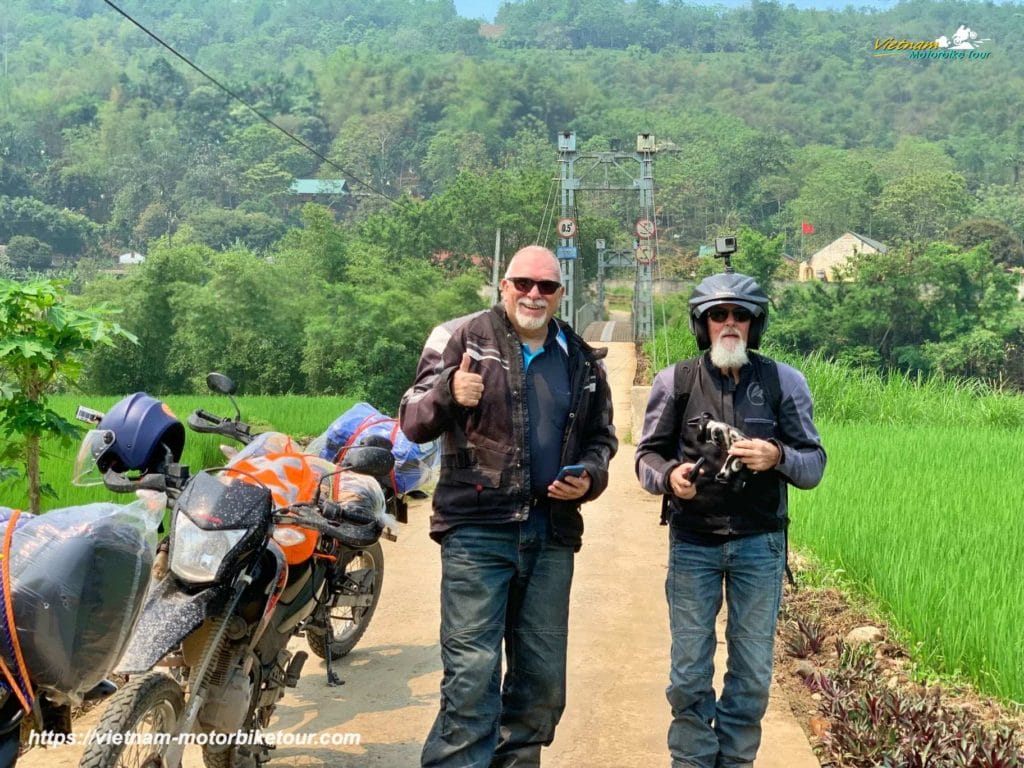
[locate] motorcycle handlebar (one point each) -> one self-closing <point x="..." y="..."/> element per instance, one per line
<point x="203" y="421"/>
<point x="309" y="517"/>
<point x="208" y="416"/>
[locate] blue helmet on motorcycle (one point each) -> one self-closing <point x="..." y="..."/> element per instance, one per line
<point x="140" y="433"/>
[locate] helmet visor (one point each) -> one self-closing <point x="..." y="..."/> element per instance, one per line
<point x="754" y="309"/>
<point x="87" y="464"/>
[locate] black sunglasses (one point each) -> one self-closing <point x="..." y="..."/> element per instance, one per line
<point x="525" y="285"/>
<point x="721" y="314"/>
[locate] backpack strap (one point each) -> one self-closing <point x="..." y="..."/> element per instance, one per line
<point x="768" y="372"/>
<point x="684" y="374"/>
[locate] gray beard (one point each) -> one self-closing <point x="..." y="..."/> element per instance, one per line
<point x="529" y="322"/>
<point x="734" y="358"/>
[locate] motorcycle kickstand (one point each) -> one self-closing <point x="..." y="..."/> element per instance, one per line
<point x="332" y="678"/>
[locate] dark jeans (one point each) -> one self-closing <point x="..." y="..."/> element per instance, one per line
<point x="501" y="582"/>
<point x="726" y="733"/>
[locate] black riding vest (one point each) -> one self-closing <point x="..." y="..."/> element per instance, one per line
<point x="717" y="508"/>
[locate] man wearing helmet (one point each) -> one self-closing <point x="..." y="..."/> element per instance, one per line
<point x="731" y="533"/>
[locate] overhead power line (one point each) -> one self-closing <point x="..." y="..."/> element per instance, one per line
<point x="253" y="109"/>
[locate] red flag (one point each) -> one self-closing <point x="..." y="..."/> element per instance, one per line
<point x="808" y="228"/>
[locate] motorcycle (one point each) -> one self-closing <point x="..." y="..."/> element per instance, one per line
<point x="263" y="549"/>
<point x="72" y="586"/>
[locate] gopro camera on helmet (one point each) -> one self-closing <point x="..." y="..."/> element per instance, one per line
<point x="725" y="247"/>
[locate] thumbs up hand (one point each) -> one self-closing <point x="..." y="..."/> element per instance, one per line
<point x="467" y="387"/>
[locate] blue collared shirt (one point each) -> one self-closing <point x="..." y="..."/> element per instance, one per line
<point x="548" y="399"/>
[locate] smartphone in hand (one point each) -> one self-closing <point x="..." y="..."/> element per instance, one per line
<point x="572" y="469"/>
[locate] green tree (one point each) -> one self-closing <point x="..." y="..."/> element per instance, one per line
<point x="28" y="253"/>
<point x="42" y="342"/>
<point x="921" y="206"/>
<point x="836" y="196"/>
<point x="365" y="339"/>
<point x="915" y="310"/>
<point x="145" y="297"/>
<point x="759" y="256"/>
<point x="222" y="228"/>
<point x="244" y="321"/>
<point x="1003" y="243"/>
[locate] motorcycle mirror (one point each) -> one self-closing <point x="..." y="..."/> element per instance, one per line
<point x="218" y="382"/>
<point x="369" y="460"/>
<point x="377" y="441"/>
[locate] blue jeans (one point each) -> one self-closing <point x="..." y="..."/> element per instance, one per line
<point x="501" y="583"/>
<point x="726" y="733"/>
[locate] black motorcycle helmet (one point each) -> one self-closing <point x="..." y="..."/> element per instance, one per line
<point x="728" y="288"/>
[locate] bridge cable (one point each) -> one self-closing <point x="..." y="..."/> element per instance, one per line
<point x="255" y="111"/>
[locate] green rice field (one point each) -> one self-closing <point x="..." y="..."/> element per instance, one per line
<point x="926" y="522"/>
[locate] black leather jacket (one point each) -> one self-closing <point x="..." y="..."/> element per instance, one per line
<point x="485" y="461"/>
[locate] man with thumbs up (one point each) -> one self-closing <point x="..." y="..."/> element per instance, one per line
<point x="516" y="395"/>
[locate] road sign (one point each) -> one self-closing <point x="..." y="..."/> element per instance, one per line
<point x="566" y="252"/>
<point x="617" y="259"/>
<point x="599" y="244"/>
<point x="644" y="254"/>
<point x="644" y="229"/>
<point x="566" y="228"/>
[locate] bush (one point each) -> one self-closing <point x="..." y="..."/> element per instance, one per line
<point x="29" y="253"/>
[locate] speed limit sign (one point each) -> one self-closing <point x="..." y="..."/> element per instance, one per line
<point x="566" y="228"/>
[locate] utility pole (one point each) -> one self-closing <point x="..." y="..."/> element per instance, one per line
<point x="6" y="35"/>
<point x="496" y="267"/>
<point x="567" y="251"/>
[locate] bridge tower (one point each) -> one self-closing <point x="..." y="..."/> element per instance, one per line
<point x="612" y="170"/>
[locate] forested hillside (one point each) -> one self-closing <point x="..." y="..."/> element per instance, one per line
<point x="766" y="117"/>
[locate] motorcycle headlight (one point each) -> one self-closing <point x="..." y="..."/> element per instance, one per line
<point x="197" y="554"/>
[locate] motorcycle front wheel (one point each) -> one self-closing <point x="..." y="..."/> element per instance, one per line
<point x="146" y="707"/>
<point x="352" y="607"/>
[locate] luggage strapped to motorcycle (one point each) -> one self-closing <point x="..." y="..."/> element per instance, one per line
<point x="19" y="683"/>
<point x="372" y="421"/>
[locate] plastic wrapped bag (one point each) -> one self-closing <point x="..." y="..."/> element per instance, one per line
<point x="416" y="464"/>
<point x="78" y="577"/>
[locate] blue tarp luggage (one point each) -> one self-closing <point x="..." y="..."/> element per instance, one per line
<point x="416" y="464"/>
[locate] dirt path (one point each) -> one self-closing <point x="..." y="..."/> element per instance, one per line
<point x="618" y="656"/>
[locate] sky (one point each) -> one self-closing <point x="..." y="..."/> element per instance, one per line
<point x="486" y="9"/>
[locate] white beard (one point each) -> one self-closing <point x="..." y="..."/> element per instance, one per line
<point x="729" y="356"/>
<point x="530" y="322"/>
